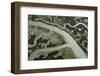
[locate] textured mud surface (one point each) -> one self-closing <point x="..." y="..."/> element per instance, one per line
<point x="57" y="37"/>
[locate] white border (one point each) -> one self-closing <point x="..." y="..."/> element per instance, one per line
<point x="25" y="64"/>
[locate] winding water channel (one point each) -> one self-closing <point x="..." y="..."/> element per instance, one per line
<point x="70" y="42"/>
